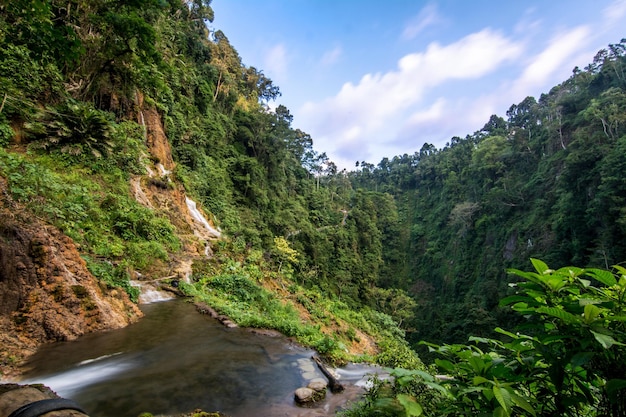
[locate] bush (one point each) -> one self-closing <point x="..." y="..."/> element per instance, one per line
<point x="572" y="364"/>
<point x="113" y="276"/>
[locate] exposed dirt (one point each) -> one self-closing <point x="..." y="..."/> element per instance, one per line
<point x="46" y="292"/>
<point x="362" y="343"/>
<point x="158" y="190"/>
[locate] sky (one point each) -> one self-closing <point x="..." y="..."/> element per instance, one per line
<point x="372" y="79"/>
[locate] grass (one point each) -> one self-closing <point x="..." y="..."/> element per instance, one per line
<point x="252" y="293"/>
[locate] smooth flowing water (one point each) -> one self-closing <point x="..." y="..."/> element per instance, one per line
<point x="175" y="360"/>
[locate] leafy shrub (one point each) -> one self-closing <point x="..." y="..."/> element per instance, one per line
<point x="74" y="128"/>
<point x="236" y="286"/>
<point x="6" y="133"/>
<point x="142" y="254"/>
<point x="573" y="364"/>
<point x="113" y="276"/>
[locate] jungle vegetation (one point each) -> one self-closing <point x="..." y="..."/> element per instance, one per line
<point x="413" y="249"/>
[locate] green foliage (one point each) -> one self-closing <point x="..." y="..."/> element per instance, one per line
<point x="239" y="289"/>
<point x="74" y="128"/>
<point x="570" y="364"/>
<point x="24" y="80"/>
<point x="33" y="25"/>
<point x="6" y="133"/>
<point x="546" y="181"/>
<point x="422" y="238"/>
<point x="97" y="212"/>
<point x="113" y="276"/>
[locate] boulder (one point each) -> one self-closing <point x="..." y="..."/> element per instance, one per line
<point x="310" y="394"/>
<point x="318" y="385"/>
<point x="304" y="395"/>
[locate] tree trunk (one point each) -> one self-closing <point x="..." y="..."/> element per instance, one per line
<point x="333" y="383"/>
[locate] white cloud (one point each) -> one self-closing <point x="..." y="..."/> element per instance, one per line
<point x="330" y="57"/>
<point x="449" y="117"/>
<point x="433" y="113"/>
<point x="427" y="16"/>
<point x="615" y="12"/>
<point x="558" y="55"/>
<point x="446" y="118"/>
<point x="378" y="99"/>
<point x="275" y="62"/>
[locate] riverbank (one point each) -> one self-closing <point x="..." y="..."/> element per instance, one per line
<point x="175" y="360"/>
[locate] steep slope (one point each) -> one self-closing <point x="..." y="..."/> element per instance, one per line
<point x="46" y="292"/>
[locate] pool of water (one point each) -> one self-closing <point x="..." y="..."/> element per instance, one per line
<point x="175" y="360"/>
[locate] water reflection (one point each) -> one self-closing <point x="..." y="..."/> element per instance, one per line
<point x="172" y="361"/>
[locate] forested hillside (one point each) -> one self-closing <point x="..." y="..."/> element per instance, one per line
<point x="546" y="181"/>
<point x="114" y="111"/>
<point x="118" y="116"/>
<point x="416" y="243"/>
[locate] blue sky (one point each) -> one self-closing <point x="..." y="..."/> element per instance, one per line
<point x="371" y="79"/>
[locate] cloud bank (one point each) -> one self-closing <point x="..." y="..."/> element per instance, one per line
<point x="357" y="120"/>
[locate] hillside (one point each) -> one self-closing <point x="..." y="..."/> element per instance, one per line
<point x="140" y="140"/>
<point x="135" y="145"/>
<point x="545" y="182"/>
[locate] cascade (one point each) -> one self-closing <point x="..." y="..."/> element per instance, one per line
<point x="199" y="217"/>
<point x="142" y="122"/>
<point x="140" y="195"/>
<point x="150" y="293"/>
<point x="162" y="170"/>
<point x="150" y="172"/>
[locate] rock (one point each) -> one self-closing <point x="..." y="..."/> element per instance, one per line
<point x="206" y="309"/>
<point x="310" y="394"/>
<point x="304" y="395"/>
<point x="318" y="385"/>
<point x="266" y="332"/>
<point x="14" y="396"/>
<point x="47" y="293"/>
<point x="227" y="322"/>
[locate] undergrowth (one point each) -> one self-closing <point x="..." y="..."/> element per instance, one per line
<point x="93" y="208"/>
<point x="243" y="285"/>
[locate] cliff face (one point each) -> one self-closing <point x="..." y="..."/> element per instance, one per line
<point x="46" y="292"/>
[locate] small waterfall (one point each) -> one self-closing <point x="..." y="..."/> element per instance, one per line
<point x="142" y="122"/>
<point x="360" y="375"/>
<point x="162" y="171"/>
<point x="150" y="293"/>
<point x="140" y="195"/>
<point x="199" y="217"/>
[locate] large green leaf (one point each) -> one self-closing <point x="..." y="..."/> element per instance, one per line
<point x="479" y="380"/>
<point x="540" y="266"/>
<point x="446" y="365"/>
<point x="522" y="403"/>
<point x="605" y="340"/>
<point x="515" y="299"/>
<point x="568" y="318"/>
<point x="591" y="313"/>
<point x="614" y="386"/>
<point x="504" y="398"/>
<point x="412" y="408"/>
<point x="605" y="277"/>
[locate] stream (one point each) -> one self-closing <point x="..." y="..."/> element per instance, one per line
<point x="175" y="360"/>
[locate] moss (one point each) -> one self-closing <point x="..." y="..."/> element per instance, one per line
<point x="79" y="291"/>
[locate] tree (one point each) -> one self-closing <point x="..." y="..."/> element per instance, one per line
<point x="284" y="252"/>
<point x="227" y="62"/>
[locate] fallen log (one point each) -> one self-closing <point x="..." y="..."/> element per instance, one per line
<point x="333" y="382"/>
